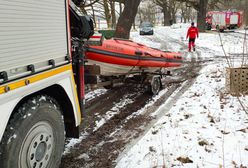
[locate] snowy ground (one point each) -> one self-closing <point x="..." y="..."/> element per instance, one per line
<point x="206" y="127"/>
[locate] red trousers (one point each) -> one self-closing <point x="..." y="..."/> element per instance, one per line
<point x="191" y="43"/>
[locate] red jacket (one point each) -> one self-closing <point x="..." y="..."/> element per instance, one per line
<point x="193" y="32"/>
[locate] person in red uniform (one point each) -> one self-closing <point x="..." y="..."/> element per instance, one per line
<point x="192" y="34"/>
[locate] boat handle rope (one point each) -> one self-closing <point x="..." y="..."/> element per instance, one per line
<point x="138" y="53"/>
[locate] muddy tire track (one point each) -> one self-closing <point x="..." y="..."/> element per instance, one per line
<point x="99" y="147"/>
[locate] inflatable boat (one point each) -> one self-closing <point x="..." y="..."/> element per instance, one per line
<point x="118" y="57"/>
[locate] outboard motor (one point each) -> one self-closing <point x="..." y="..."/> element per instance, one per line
<point x="77" y="2"/>
<point x="81" y="25"/>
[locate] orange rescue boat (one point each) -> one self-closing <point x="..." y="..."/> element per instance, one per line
<point x="118" y="57"/>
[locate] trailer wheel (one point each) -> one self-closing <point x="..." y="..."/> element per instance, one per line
<point x="155" y="85"/>
<point x="34" y="137"/>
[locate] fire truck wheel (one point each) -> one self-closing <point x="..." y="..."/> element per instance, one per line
<point x="208" y="26"/>
<point x="217" y="28"/>
<point x="34" y="137"/>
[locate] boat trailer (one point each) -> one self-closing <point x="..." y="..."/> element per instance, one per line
<point x="152" y="81"/>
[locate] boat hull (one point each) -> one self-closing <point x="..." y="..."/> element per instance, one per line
<point x="118" y="70"/>
<point x="118" y="57"/>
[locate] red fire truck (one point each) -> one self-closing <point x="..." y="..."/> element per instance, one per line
<point x="41" y="80"/>
<point x="221" y="20"/>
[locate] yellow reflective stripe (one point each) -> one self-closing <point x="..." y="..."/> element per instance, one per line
<point x="36" y="78"/>
<point x="76" y="97"/>
<point x="33" y="79"/>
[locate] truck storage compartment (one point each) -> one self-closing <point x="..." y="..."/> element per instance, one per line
<point x="234" y="19"/>
<point x="33" y="36"/>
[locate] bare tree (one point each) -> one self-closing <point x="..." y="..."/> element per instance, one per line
<point x="107" y="12"/>
<point x="120" y="6"/>
<point x="183" y="9"/>
<point x="93" y="14"/>
<point x="164" y="5"/>
<point x="201" y="15"/>
<point x="126" y="19"/>
<point x="246" y="13"/>
<point x="113" y="15"/>
<point x="83" y="4"/>
<point x="173" y="8"/>
<point x="201" y="7"/>
<point x="186" y="12"/>
<point x="147" y="12"/>
<point x="100" y="9"/>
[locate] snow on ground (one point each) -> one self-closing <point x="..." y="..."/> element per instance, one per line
<point x="95" y="93"/>
<point x="116" y="109"/>
<point x="73" y="141"/>
<point x="208" y="42"/>
<point x="206" y="127"/>
<point x="242" y="30"/>
<point x="113" y="111"/>
<point x="109" y="114"/>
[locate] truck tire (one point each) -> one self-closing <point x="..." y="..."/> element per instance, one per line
<point x="217" y="28"/>
<point x="208" y="26"/>
<point x="34" y="137"/>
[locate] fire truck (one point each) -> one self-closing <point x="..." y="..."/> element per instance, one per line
<point x="221" y="20"/>
<point x="41" y="80"/>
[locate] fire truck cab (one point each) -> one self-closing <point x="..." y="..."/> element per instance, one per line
<point x="41" y="80"/>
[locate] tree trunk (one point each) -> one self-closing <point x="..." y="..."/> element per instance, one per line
<point x="201" y="15"/>
<point x="113" y="14"/>
<point x="246" y="13"/>
<point x="127" y="19"/>
<point x="93" y="15"/>
<point x="120" y="6"/>
<point x="166" y="16"/>
<point x="182" y="16"/>
<point x="134" y="27"/>
<point x="185" y="20"/>
<point x="107" y="13"/>
<point x="173" y="17"/>
<point x="140" y="17"/>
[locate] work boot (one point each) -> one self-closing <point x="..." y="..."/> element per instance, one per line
<point x="193" y="48"/>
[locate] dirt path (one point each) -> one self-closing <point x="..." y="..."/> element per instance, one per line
<point x="120" y="130"/>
